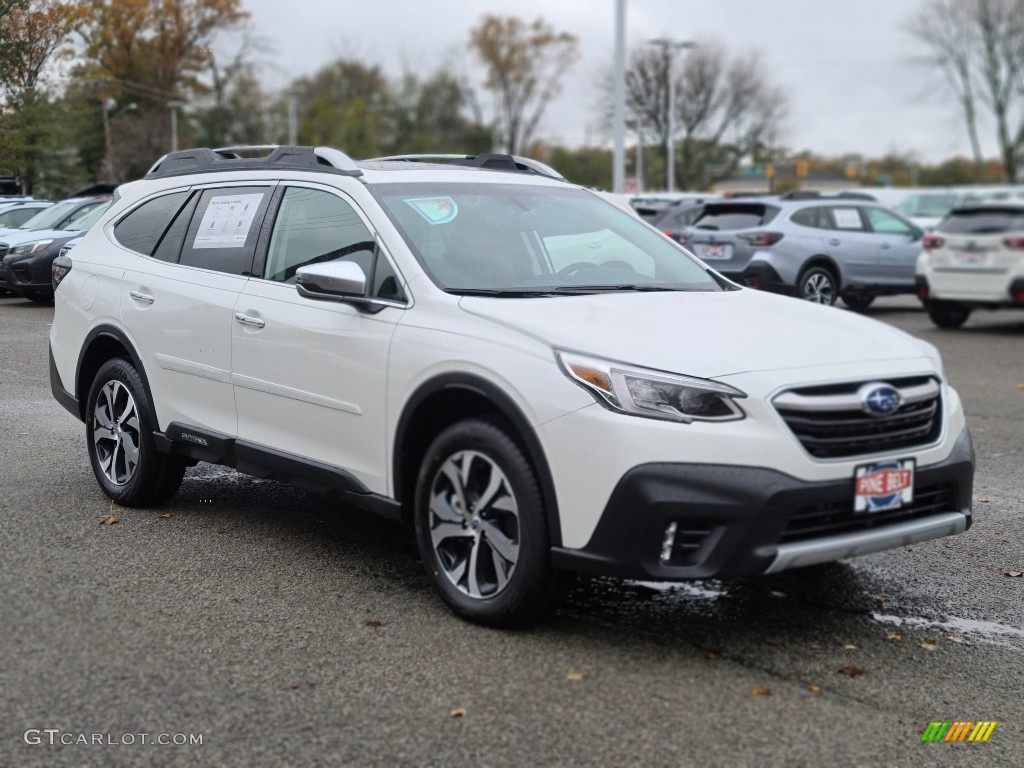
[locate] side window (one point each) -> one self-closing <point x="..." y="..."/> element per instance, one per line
<point x="847" y="218"/>
<point x="314" y="226"/>
<point x="814" y="216"/>
<point x="884" y="222"/>
<point x="142" y="228"/>
<point x="223" y="229"/>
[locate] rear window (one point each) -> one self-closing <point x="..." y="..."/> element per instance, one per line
<point x="983" y="221"/>
<point x="737" y="216"/>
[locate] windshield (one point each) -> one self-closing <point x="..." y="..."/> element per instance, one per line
<point x="517" y="239"/>
<point x="927" y="206"/>
<point x="86" y="217"/>
<point x="983" y="221"/>
<point x="50" y="217"/>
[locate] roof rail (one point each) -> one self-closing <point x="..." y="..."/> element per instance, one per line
<point x="205" y="160"/>
<point x="490" y="160"/>
<point x="812" y="194"/>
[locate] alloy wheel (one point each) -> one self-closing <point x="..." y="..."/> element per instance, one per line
<point x="115" y="432"/>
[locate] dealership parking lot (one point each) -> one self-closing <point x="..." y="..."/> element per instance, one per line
<point x="285" y="631"/>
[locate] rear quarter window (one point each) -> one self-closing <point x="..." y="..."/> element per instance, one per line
<point x="141" y="229"/>
<point x="983" y="221"/>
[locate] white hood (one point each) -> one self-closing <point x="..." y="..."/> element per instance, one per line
<point x="702" y="334"/>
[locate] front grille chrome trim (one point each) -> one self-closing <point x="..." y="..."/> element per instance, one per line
<point x="794" y="401"/>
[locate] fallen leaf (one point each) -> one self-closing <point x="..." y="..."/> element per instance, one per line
<point x="984" y="500"/>
<point x="1021" y="385"/>
<point x="302" y="686"/>
<point x="710" y="655"/>
<point x="576" y="676"/>
<point x="458" y="712"/>
<point x="374" y="623"/>
<point x="166" y="516"/>
<point x="1015" y="574"/>
<point x="892" y="637"/>
<point x="954" y="639"/>
<point x="760" y="690"/>
<point x="109" y="520"/>
<point x="881" y="598"/>
<point x="849" y="647"/>
<point x="928" y="645"/>
<point x="852" y="670"/>
<point x="814" y="688"/>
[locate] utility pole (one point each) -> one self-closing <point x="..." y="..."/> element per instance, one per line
<point x="174" y="106"/>
<point x="293" y="118"/>
<point x="670" y="47"/>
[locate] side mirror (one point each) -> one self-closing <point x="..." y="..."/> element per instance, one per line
<point x="332" y="280"/>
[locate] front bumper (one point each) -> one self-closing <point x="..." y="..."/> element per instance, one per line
<point x="739" y="521"/>
<point x="31" y="274"/>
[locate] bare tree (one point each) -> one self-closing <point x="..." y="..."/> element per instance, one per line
<point x="725" y="108"/>
<point x="524" y="64"/>
<point x="978" y="46"/>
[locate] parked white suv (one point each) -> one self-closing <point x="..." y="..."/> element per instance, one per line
<point x="974" y="259"/>
<point x="536" y="379"/>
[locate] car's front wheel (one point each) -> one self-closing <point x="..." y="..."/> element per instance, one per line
<point x="819" y="285"/>
<point x="481" y="526"/>
<point x="120" y="422"/>
<point x="947" y="314"/>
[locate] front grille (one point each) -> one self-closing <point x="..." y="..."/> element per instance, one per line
<point x="837" y="517"/>
<point x="830" y="421"/>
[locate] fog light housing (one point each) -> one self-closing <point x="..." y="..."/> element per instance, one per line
<point x="668" y="542"/>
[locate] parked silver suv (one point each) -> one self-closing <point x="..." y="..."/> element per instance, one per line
<point x="817" y="248"/>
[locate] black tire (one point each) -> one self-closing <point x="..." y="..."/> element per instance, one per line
<point x="470" y="456"/>
<point x="818" y="284"/>
<point x="119" y="417"/>
<point x="948" y="314"/>
<point x="858" y="301"/>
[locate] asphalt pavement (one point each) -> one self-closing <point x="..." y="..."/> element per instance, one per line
<point x="279" y="629"/>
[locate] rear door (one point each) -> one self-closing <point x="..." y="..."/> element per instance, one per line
<point x="851" y="244"/>
<point x="178" y="304"/>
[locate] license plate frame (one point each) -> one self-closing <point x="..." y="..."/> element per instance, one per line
<point x="883" y="486"/>
<point x="715" y="251"/>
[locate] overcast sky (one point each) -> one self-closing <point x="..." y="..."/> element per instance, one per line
<point x="846" y="66"/>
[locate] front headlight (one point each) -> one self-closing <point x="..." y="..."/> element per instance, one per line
<point x="656" y="395"/>
<point x="26" y="249"/>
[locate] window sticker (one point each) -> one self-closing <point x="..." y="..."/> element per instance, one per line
<point x="227" y="220"/>
<point x="436" y="210"/>
<point x="847" y="218"/>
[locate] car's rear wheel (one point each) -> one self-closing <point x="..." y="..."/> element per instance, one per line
<point x="947" y="314"/>
<point x="858" y="301"/>
<point x="120" y="422"/>
<point x="481" y="526"/>
<point x="819" y="285"/>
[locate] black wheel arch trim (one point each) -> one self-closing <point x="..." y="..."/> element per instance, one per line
<point x="508" y="409"/>
<point x="121" y="338"/>
<point x="823" y="260"/>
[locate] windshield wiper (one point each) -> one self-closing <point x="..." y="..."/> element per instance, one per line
<point x="502" y="293"/>
<point x="639" y="287"/>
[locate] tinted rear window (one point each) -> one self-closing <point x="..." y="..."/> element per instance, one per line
<point x="983" y="221"/>
<point x="741" y="216"/>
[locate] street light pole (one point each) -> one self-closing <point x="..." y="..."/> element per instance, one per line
<point x="619" y="154"/>
<point x="174" y="106"/>
<point x="670" y="47"/>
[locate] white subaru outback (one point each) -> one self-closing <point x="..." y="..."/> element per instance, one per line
<point x="537" y="380"/>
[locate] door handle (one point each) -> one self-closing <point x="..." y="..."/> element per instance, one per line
<point x="886" y="246"/>
<point x="145" y="298"/>
<point x="834" y="241"/>
<point x="255" y="322"/>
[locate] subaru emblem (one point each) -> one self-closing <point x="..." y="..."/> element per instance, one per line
<point x="879" y="399"/>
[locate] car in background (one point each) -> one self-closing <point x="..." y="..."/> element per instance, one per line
<point x="28" y="255"/>
<point x="674" y="219"/>
<point x="653" y="206"/>
<point x="973" y="259"/>
<point x="817" y="248"/>
<point x="926" y="208"/>
<point x="16" y="213"/>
